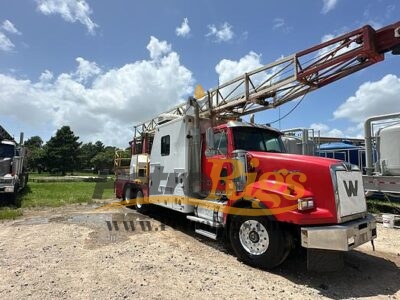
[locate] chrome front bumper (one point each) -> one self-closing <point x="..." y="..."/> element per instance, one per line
<point x="342" y="237"/>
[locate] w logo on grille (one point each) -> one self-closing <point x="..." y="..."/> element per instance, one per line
<point x="351" y="187"/>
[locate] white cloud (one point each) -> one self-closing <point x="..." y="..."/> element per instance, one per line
<point x="9" y="27"/>
<point x="184" y="29"/>
<point x="335" y="49"/>
<point x="328" y="5"/>
<point x="370" y="99"/>
<point x="70" y="10"/>
<point x="229" y="69"/>
<point x="326" y="131"/>
<point x="157" y="48"/>
<point x="222" y="34"/>
<point x="278" y="23"/>
<point x="5" y="43"/>
<point x="86" y="69"/>
<point x="109" y="105"/>
<point x="46" y="76"/>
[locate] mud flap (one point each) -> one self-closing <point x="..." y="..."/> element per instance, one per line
<point x="324" y="260"/>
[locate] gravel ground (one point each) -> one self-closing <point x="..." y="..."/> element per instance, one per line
<point x="76" y="252"/>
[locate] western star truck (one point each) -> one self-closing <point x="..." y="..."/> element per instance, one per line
<point x="234" y="179"/>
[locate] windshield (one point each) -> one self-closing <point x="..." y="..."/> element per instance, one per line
<point x="6" y="150"/>
<point x="257" y="139"/>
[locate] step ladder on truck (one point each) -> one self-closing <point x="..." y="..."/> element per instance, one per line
<point x="234" y="179"/>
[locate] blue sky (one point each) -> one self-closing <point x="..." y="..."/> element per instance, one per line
<point x="102" y="66"/>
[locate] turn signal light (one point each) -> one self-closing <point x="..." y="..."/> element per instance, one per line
<point x="305" y="203"/>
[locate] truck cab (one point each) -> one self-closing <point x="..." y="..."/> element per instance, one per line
<point x="316" y="200"/>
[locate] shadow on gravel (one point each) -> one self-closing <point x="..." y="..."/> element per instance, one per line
<point x="364" y="275"/>
<point x="178" y="221"/>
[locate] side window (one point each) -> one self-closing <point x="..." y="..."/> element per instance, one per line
<point x="221" y="142"/>
<point x="165" y="145"/>
<point x="273" y="145"/>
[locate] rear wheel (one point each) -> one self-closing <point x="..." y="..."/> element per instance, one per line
<point x="140" y="205"/>
<point x="128" y="197"/>
<point x="258" y="242"/>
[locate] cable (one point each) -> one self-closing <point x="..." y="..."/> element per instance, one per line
<point x="281" y="118"/>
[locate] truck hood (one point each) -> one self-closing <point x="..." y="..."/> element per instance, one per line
<point x="5" y="164"/>
<point x="294" y="161"/>
<point x="313" y="177"/>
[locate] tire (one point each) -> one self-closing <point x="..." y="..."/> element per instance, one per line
<point x="14" y="197"/>
<point x="140" y="206"/>
<point x="26" y="179"/>
<point x="258" y="242"/>
<point x="128" y="196"/>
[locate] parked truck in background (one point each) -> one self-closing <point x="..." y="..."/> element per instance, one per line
<point x="13" y="171"/>
<point x="234" y="179"/>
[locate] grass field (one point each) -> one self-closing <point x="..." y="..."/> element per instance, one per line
<point x="60" y="193"/>
<point x="383" y="206"/>
<point x="53" y="194"/>
<point x="9" y="213"/>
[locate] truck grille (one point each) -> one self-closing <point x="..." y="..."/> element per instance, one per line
<point x="349" y="192"/>
<point x="5" y="180"/>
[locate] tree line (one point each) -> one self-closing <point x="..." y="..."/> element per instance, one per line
<point x="64" y="153"/>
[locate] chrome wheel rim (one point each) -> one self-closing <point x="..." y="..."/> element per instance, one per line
<point x="254" y="237"/>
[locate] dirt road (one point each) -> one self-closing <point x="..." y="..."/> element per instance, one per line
<point x="79" y="252"/>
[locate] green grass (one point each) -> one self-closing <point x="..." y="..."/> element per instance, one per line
<point x="55" y="194"/>
<point x="8" y="213"/>
<point x="383" y="207"/>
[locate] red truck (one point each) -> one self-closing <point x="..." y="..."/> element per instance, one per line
<point x="233" y="178"/>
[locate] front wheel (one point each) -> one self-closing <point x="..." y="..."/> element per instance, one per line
<point x="258" y="242"/>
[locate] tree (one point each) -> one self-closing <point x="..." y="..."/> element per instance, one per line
<point x="34" y="146"/>
<point x="99" y="146"/>
<point x="87" y="152"/>
<point x="105" y="159"/>
<point x="61" y="151"/>
<point x="34" y="142"/>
